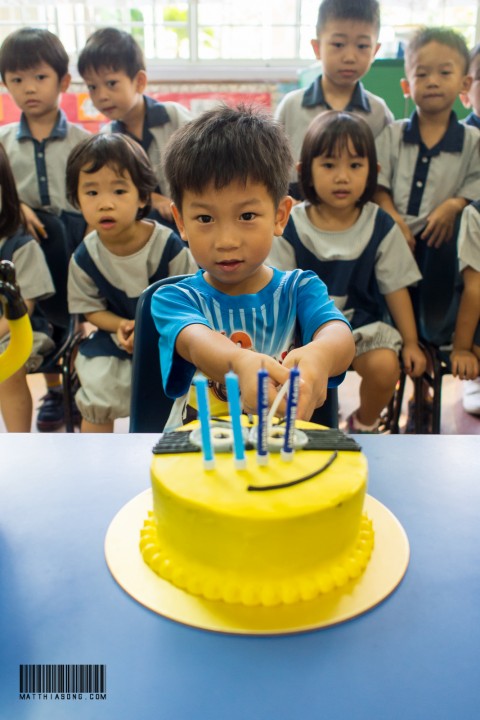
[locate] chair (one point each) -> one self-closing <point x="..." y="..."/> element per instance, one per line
<point x="66" y="332"/>
<point x="150" y="407"/>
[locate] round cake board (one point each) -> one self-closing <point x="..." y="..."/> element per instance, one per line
<point x="384" y="572"/>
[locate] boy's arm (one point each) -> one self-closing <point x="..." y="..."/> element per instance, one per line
<point x="464" y="362"/>
<point x="162" y="205"/>
<point x="441" y="221"/>
<point x="329" y="354"/>
<point x="32" y="223"/>
<point x="384" y="199"/>
<point x="401" y="310"/>
<point x="214" y="355"/>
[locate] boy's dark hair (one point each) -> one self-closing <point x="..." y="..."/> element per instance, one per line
<point x="328" y="133"/>
<point x="9" y="221"/>
<point x="442" y="35"/>
<point x="227" y="144"/>
<point x="367" y="11"/>
<point x="28" y="47"/>
<point x="112" y="49"/>
<point x="118" y="152"/>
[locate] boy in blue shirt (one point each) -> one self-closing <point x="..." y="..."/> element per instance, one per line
<point x="228" y="173"/>
<point x="113" y="68"/>
<point x="346" y="43"/>
<point x="34" y="68"/>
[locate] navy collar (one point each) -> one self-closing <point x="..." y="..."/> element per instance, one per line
<point x="451" y="142"/>
<point x="473" y="120"/>
<point x="59" y="130"/>
<point x="313" y="96"/>
<point x="155" y="115"/>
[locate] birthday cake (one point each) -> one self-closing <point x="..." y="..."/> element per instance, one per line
<point x="267" y="534"/>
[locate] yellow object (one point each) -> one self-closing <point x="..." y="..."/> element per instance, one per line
<point x="15" y="311"/>
<point x="212" y="537"/>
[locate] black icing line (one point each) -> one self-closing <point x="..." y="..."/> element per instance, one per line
<point x="280" y="486"/>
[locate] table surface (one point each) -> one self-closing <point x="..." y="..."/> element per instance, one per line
<point x="416" y="655"/>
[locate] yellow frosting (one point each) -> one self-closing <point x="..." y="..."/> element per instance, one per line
<point x="211" y="536"/>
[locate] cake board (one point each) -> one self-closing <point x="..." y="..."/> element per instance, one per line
<point x="384" y="572"/>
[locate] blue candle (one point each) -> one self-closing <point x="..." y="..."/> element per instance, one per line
<point x="201" y="387"/>
<point x="233" y="394"/>
<point x="292" y="403"/>
<point x="262" y="412"/>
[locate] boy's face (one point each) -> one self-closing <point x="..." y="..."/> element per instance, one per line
<point x="114" y="93"/>
<point x="435" y="77"/>
<point x="230" y="233"/>
<point x="109" y="203"/>
<point x="36" y="91"/>
<point x="347" y="49"/>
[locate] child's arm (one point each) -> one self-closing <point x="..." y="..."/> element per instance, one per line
<point x="401" y="310"/>
<point x="383" y="198"/>
<point x="329" y="354"/>
<point x="108" y="321"/>
<point x="32" y="223"/>
<point x="464" y="363"/>
<point x="162" y="205"/>
<point x="441" y="222"/>
<point x="214" y="355"/>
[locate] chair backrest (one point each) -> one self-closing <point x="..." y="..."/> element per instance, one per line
<point x="57" y="255"/>
<point x="150" y="407"/>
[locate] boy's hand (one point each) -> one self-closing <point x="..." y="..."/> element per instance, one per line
<point x="125" y="335"/>
<point x="247" y="364"/>
<point x="465" y="364"/>
<point x="162" y="205"/>
<point x="313" y="378"/>
<point x="414" y="360"/>
<point x="32" y="222"/>
<point x="440" y="225"/>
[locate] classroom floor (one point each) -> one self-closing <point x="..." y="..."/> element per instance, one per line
<point x="455" y="421"/>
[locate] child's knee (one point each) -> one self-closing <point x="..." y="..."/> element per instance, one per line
<point x="382" y="365"/>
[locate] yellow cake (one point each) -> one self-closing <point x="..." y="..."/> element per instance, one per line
<point x="223" y="535"/>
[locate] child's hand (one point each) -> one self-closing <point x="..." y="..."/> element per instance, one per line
<point x="313" y="379"/>
<point x="465" y="364"/>
<point x="414" y="360"/>
<point x="163" y="205"/>
<point x="440" y="225"/>
<point x="125" y="335"/>
<point x="32" y="223"/>
<point x="247" y="366"/>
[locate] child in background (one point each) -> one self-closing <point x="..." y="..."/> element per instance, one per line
<point x="110" y="178"/>
<point x="471" y="98"/>
<point x="346" y="44"/>
<point x="35" y="283"/>
<point x="360" y="254"/>
<point x="34" y="68"/>
<point x="113" y="68"/>
<point x="465" y="357"/>
<point x="228" y="172"/>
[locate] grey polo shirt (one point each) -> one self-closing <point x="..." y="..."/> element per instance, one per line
<point x="469" y="238"/>
<point x="421" y="178"/>
<point x="39" y="168"/>
<point x="161" y="121"/>
<point x="299" y="107"/>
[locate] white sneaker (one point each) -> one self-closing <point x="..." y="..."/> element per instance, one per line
<point x="471" y="396"/>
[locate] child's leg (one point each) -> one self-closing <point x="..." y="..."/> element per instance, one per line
<point x="16" y="402"/>
<point x="379" y="370"/>
<point x="104" y="393"/>
<point x="89" y="427"/>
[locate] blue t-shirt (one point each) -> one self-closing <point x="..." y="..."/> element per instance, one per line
<point x="283" y="315"/>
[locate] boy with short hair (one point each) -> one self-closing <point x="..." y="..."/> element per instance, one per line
<point x="346" y="43"/>
<point x="228" y="172"/>
<point x="113" y="68"/>
<point x="34" y="68"/>
<point x="471" y="99"/>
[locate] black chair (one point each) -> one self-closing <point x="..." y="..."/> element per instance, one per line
<point x="66" y="328"/>
<point x="150" y="407"/>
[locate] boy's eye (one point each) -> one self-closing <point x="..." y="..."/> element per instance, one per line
<point x="248" y="216"/>
<point x="337" y="44"/>
<point x="364" y="47"/>
<point x="111" y="83"/>
<point x="16" y="80"/>
<point x="204" y="219"/>
<point x="42" y="76"/>
<point x="120" y="191"/>
<point x="90" y="88"/>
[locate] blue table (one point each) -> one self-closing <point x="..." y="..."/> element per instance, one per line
<point x="416" y="655"/>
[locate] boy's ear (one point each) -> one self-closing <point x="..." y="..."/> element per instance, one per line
<point x="466" y="84"/>
<point x="377" y="48"/>
<point x="65" y="82"/>
<point x="179" y="222"/>
<point x="316" y="47"/>
<point x="405" y="85"/>
<point x="282" y="214"/>
<point x="465" y="100"/>
<point x="140" y="81"/>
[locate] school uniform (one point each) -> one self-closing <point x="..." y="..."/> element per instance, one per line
<point x="35" y="283"/>
<point x="469" y="245"/>
<point x="99" y="280"/>
<point x="161" y="121"/>
<point x="299" y="107"/>
<point x="359" y="266"/>
<point x="472" y="119"/>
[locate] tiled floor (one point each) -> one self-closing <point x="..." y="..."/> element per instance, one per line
<point x="454" y="419"/>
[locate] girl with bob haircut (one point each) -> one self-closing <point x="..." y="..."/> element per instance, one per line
<point x="110" y="179"/>
<point x="359" y="252"/>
